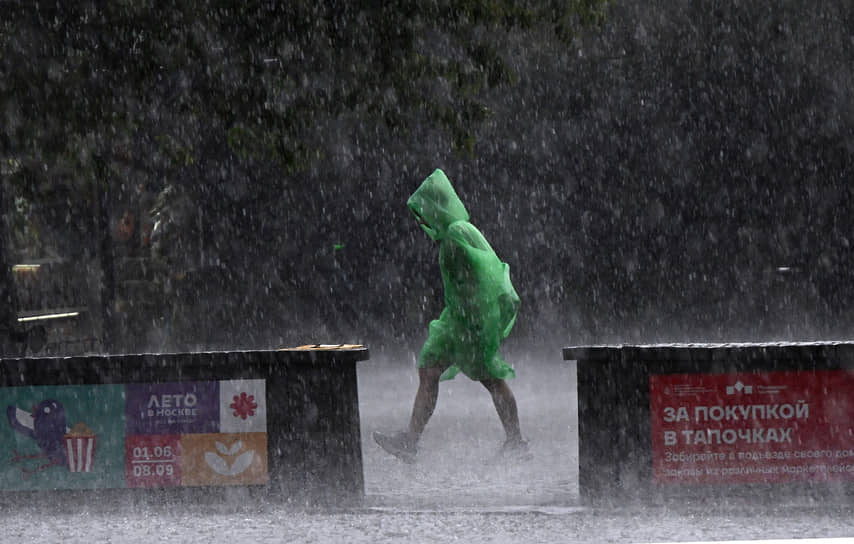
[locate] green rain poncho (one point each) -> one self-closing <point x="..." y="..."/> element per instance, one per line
<point x="480" y="302"/>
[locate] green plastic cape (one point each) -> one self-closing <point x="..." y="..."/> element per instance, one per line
<point x="480" y="302"/>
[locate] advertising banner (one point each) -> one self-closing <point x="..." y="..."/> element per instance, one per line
<point x="741" y="428"/>
<point x="134" y="435"/>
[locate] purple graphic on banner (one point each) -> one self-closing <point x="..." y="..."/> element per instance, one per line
<point x="172" y="408"/>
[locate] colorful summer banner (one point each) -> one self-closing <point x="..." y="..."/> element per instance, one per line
<point x="742" y="428"/>
<point x="134" y="435"/>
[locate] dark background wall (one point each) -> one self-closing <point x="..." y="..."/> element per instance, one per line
<point x="651" y="171"/>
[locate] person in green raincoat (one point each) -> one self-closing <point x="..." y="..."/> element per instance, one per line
<point x="480" y="310"/>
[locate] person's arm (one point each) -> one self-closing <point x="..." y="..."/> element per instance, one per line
<point x="481" y="281"/>
<point x="466" y="259"/>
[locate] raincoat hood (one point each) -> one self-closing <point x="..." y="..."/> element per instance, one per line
<point x="436" y="203"/>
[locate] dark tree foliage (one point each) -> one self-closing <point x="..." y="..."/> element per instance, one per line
<point x="651" y="170"/>
<point x="713" y="175"/>
<point x="237" y="105"/>
<point x="157" y="85"/>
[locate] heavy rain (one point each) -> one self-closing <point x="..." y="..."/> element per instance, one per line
<point x="189" y="187"/>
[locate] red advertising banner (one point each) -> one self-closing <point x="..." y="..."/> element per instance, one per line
<point x="767" y="427"/>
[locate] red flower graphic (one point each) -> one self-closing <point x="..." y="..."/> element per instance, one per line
<point x="243" y="405"/>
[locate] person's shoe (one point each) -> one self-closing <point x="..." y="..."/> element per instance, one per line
<point x="398" y="444"/>
<point x="516" y="449"/>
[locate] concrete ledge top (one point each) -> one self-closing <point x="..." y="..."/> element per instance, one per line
<point x="695" y="351"/>
<point x="349" y="353"/>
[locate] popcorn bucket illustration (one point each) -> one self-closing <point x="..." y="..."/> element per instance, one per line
<point x="80" y="448"/>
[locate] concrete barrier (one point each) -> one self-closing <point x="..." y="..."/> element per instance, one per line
<point x="284" y="422"/>
<point x="715" y="419"/>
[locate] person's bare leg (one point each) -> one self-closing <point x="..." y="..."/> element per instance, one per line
<point x="404" y="444"/>
<point x="425" y="400"/>
<point x="505" y="405"/>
